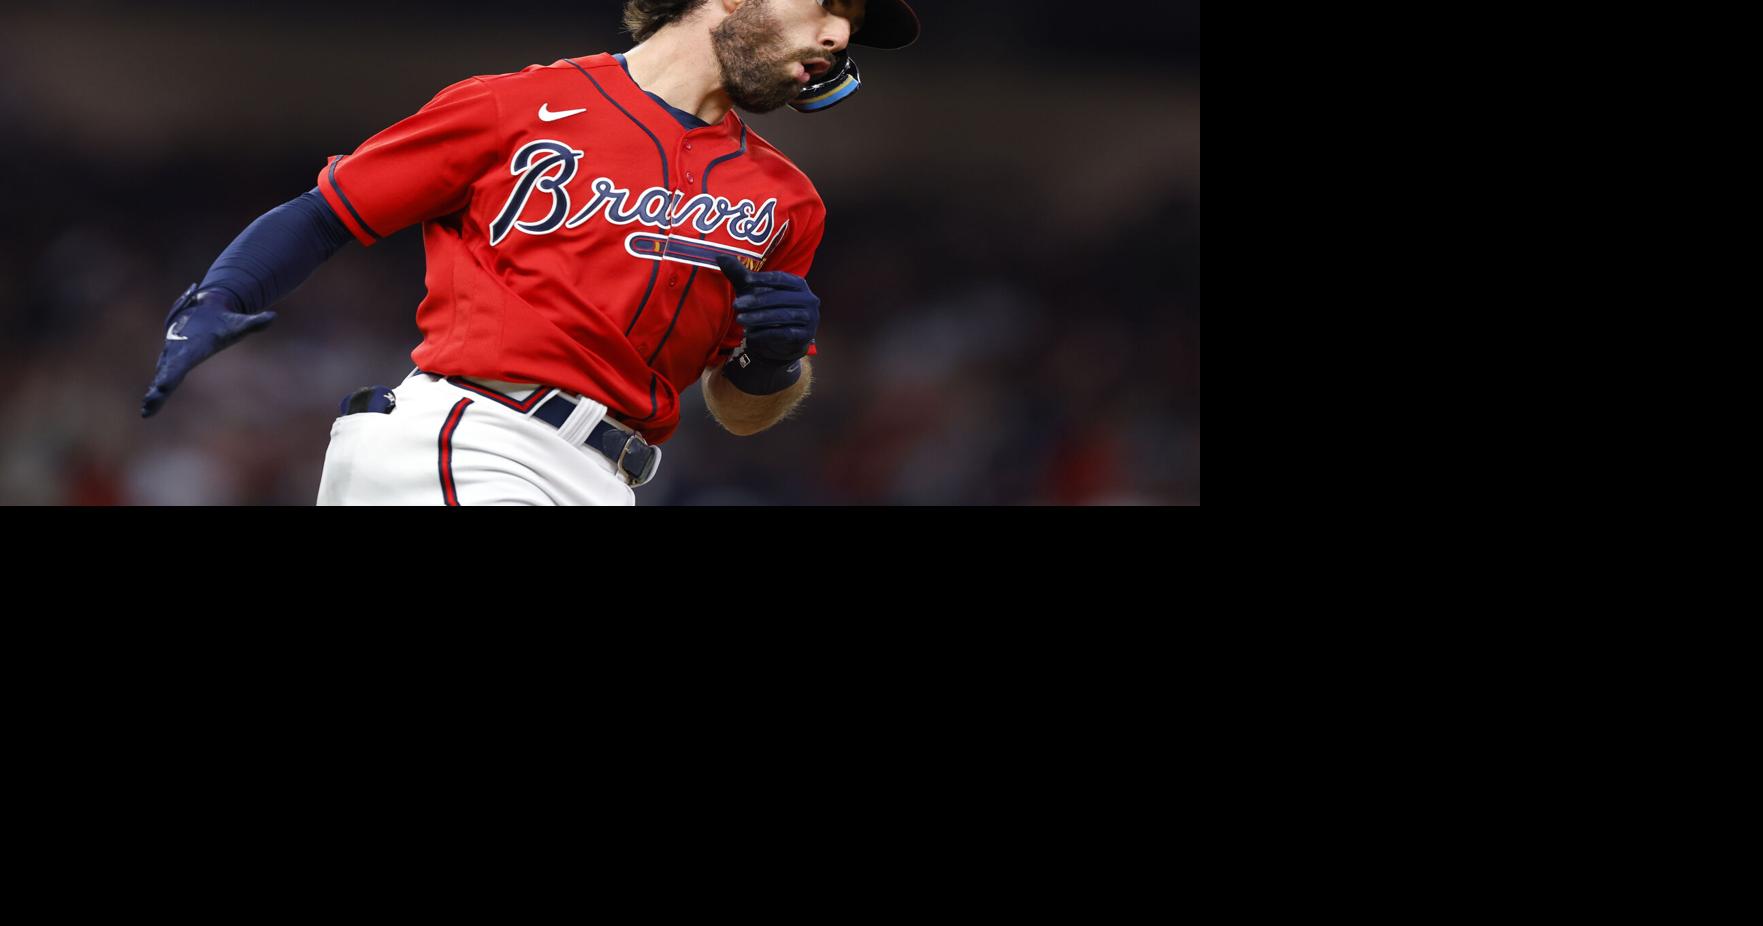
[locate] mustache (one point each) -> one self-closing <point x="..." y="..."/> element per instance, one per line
<point x="808" y="56"/>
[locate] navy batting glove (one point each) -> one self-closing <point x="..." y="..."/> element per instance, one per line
<point x="199" y="326"/>
<point x="778" y="310"/>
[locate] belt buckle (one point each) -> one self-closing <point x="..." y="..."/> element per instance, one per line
<point x="649" y="467"/>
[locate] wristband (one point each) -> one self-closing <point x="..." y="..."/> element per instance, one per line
<point x="760" y="377"/>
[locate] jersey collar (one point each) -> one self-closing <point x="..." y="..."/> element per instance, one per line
<point x="656" y="115"/>
<point x="686" y="120"/>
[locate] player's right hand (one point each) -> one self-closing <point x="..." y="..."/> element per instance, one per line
<point x="199" y="326"/>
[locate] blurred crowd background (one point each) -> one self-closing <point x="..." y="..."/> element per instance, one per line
<point x="1010" y="274"/>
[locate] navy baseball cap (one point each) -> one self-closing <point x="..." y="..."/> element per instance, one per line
<point x="887" y="24"/>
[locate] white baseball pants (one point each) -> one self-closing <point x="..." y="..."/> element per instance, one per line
<point x="443" y="444"/>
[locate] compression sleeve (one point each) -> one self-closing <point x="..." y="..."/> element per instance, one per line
<point x="276" y="253"/>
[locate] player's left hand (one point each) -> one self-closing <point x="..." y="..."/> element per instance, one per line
<point x="778" y="310"/>
<point x="199" y="326"/>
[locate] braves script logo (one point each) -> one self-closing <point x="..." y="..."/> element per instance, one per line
<point x="544" y="169"/>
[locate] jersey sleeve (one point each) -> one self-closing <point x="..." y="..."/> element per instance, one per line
<point x="795" y="257"/>
<point x="420" y="168"/>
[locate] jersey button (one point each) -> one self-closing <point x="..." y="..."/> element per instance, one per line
<point x="672" y="282"/>
<point x="688" y="146"/>
<point x="689" y="178"/>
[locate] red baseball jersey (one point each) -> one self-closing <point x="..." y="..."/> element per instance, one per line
<point x="572" y="226"/>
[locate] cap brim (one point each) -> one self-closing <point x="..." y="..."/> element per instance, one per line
<point x="887" y="24"/>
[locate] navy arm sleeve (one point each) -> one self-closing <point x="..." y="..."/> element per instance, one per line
<point x="276" y="253"/>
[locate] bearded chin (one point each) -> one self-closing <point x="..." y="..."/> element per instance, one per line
<point x="750" y="75"/>
<point x="757" y="97"/>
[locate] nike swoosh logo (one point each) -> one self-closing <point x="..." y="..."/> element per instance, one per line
<point x="171" y="333"/>
<point x="546" y="115"/>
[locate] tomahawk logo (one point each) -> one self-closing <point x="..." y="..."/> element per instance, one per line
<point x="543" y="170"/>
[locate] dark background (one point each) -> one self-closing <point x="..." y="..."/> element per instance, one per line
<point x="1010" y="275"/>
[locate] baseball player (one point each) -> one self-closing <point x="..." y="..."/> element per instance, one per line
<point x="601" y="232"/>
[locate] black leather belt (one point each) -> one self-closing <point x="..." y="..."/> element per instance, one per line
<point x="635" y="459"/>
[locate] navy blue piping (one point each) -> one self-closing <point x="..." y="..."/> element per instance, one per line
<point x="685" y="119"/>
<point x="704" y="237"/>
<point x="653" y="379"/>
<point x="726" y="157"/>
<point x="654" y="271"/>
<point x="676" y="310"/>
<point x="351" y="206"/>
<point x="639" y="123"/>
<point x="664" y="181"/>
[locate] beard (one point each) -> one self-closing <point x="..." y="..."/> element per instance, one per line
<point x="756" y="70"/>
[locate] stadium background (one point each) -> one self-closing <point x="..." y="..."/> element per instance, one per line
<point x="1010" y="273"/>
